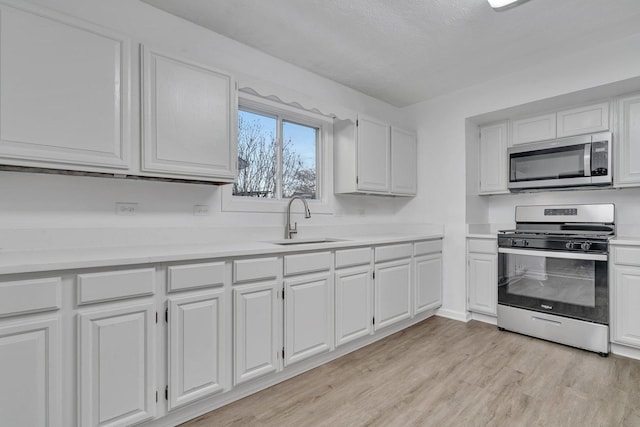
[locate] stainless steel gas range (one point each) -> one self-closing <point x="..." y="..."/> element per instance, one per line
<point x="553" y="280"/>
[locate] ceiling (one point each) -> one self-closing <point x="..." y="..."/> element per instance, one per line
<point x="407" y="51"/>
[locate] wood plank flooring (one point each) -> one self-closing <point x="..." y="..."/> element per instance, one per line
<point x="441" y="372"/>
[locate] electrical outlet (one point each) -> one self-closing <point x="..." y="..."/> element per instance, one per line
<point x="126" y="208"/>
<point x="200" y="210"/>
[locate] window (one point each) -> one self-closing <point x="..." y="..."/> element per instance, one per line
<point x="282" y="152"/>
<point x="277" y="156"/>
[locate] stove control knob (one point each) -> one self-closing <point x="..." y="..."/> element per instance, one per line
<point x="513" y="242"/>
<point x="569" y="245"/>
<point x="585" y="246"/>
<point x="525" y="243"/>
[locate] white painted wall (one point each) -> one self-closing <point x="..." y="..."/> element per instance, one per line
<point x="442" y="138"/>
<point x="54" y="201"/>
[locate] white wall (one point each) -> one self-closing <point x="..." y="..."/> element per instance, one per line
<point x="442" y="139"/>
<point x="49" y="201"/>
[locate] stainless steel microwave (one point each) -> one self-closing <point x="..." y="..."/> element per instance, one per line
<point x="577" y="161"/>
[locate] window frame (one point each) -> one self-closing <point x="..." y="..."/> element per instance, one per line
<point x="324" y="139"/>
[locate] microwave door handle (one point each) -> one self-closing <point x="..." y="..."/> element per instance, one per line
<point x="587" y="159"/>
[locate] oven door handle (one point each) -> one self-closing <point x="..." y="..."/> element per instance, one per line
<point x="553" y="254"/>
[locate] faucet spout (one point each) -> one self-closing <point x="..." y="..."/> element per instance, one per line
<point x="288" y="230"/>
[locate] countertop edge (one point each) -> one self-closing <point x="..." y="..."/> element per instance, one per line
<point x="83" y="258"/>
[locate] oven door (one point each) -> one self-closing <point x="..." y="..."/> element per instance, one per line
<point x="563" y="283"/>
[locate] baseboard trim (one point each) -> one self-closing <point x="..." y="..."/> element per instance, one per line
<point x="461" y="316"/>
<point x="623" y="350"/>
<point x="493" y="320"/>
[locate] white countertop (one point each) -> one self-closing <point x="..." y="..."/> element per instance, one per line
<point x="74" y="258"/>
<point x="625" y="240"/>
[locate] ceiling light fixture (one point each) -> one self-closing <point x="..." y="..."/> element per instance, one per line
<point x="504" y="4"/>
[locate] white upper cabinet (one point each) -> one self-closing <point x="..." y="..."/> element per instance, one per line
<point x="64" y="93"/>
<point x="531" y="129"/>
<point x="627" y="147"/>
<point x="189" y="119"/>
<point x="578" y="121"/>
<point x="404" y="153"/>
<point x="371" y="157"/>
<point x="493" y="159"/>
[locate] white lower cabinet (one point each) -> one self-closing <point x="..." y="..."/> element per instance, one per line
<point x="116" y="365"/>
<point x="625" y="296"/>
<point x="482" y="276"/>
<point x="354" y="301"/>
<point x="392" y="285"/>
<point x="428" y="282"/>
<point x="307" y="316"/>
<point x="257" y="321"/>
<point x="30" y="373"/>
<point x="197" y="333"/>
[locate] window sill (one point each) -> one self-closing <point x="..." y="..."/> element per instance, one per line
<point x="231" y="203"/>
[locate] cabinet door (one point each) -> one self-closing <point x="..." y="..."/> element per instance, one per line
<point x="493" y="159"/>
<point x="392" y="292"/>
<point x="30" y="374"/>
<point x="117" y="365"/>
<point x="197" y="333"/>
<point x="64" y="93"/>
<point x="482" y="277"/>
<point x="578" y="121"/>
<point x="404" y="154"/>
<point x="189" y="119"/>
<point x="533" y="129"/>
<point x="256" y="319"/>
<point x="428" y="282"/>
<point x="353" y="304"/>
<point x="307" y="321"/>
<point x="373" y="155"/>
<point x="626" y="316"/>
<point x="628" y="142"/>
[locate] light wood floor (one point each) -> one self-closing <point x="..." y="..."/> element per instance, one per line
<point x="447" y="373"/>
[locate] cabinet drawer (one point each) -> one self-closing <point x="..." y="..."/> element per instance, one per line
<point x="30" y="296"/>
<point x="180" y="277"/>
<point x="307" y="263"/>
<point x="487" y="246"/>
<point x="626" y="255"/>
<point x="245" y="270"/>
<point x="351" y="257"/>
<point x="427" y="247"/>
<point x="113" y="285"/>
<point x="386" y="253"/>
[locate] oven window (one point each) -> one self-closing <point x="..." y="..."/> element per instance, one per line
<point x="568" y="281"/>
<point x="554" y="163"/>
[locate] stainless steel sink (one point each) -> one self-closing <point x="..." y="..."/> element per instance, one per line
<point x="307" y="241"/>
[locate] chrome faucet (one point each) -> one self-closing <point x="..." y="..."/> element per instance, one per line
<point x="288" y="230"/>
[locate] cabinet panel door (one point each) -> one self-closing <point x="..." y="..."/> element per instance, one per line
<point x="353" y="304"/>
<point x="196" y="337"/>
<point x="533" y="129"/>
<point x="626" y="316"/>
<point x="392" y="292"/>
<point x="307" y="317"/>
<point x="256" y="320"/>
<point x="30" y="374"/>
<point x="482" y="277"/>
<point x="373" y="155"/>
<point x="578" y="121"/>
<point x="64" y="92"/>
<point x="628" y="142"/>
<point x="428" y="283"/>
<point x="493" y="158"/>
<point x="404" y="163"/>
<point x="117" y="366"/>
<point x="189" y="118"/>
